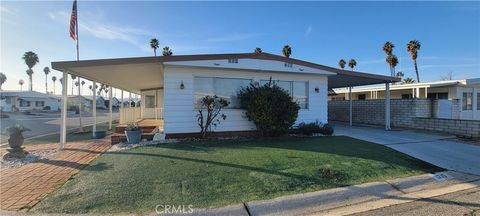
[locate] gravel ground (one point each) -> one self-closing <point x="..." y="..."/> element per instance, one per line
<point x="31" y="157"/>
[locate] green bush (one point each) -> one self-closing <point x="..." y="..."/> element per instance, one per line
<point x="269" y="107"/>
<point x="315" y="127"/>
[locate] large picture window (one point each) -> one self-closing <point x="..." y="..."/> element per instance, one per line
<point x="226" y="88"/>
<point x="297" y="89"/>
<point x="24" y="103"/>
<point x="467" y="101"/>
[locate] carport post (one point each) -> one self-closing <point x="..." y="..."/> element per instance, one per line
<point x="387" y="106"/>
<point x="121" y="95"/>
<point x="63" y="124"/>
<point x="94" y="109"/>
<point x="351" y="105"/>
<point x="130" y="99"/>
<point x="110" y="107"/>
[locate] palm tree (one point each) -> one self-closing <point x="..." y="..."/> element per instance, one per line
<point x="91" y="88"/>
<point x="73" y="80"/>
<point x="392" y="61"/>
<point x="352" y="63"/>
<point x="61" y="82"/>
<point x="21" y="82"/>
<point x="258" y="50"/>
<point x="167" y="51"/>
<point x="82" y="83"/>
<point x="408" y="80"/>
<point x="31" y="59"/>
<point x="287" y="51"/>
<point x="412" y="47"/>
<point x="342" y="63"/>
<point x="3" y="79"/>
<point x="154" y="45"/>
<point x="388" y="49"/>
<point x="54" y="79"/>
<point x="400" y="74"/>
<point x="46" y="70"/>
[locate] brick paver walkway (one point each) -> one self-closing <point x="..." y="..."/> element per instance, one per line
<point x="23" y="187"/>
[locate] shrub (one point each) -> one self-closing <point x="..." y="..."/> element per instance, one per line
<point x="212" y="105"/>
<point x="269" y="107"/>
<point x="315" y="127"/>
<point x="47" y="108"/>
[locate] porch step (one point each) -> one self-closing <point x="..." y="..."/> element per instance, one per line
<point x="120" y="137"/>
<point x="145" y="129"/>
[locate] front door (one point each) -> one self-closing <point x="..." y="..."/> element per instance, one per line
<point x="149" y="104"/>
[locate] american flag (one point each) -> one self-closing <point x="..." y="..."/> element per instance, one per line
<point x="73" y="21"/>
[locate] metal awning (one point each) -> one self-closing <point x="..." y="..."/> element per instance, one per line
<point x="135" y="74"/>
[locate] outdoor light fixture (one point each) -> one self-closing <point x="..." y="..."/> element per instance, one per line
<point x="317" y="89"/>
<point x="182" y="86"/>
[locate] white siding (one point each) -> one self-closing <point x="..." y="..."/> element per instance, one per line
<point x="180" y="115"/>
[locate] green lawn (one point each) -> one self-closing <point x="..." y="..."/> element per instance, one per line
<point x="219" y="172"/>
<point x="71" y="136"/>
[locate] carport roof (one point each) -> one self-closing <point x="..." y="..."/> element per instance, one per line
<point x="342" y="78"/>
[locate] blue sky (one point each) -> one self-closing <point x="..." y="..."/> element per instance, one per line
<point x="322" y="32"/>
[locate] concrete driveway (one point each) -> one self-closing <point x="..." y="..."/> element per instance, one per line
<point x="441" y="150"/>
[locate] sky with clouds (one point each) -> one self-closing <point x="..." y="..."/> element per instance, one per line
<point x="321" y="32"/>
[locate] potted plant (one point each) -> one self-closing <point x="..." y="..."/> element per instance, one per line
<point x="133" y="133"/>
<point x="15" y="141"/>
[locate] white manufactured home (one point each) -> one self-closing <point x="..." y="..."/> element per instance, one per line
<point x="170" y="86"/>
<point x="12" y="101"/>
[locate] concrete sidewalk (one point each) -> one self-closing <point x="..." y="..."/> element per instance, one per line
<point x="354" y="199"/>
<point x="441" y="150"/>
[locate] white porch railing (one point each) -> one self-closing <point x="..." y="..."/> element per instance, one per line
<point x="159" y="113"/>
<point x="130" y="114"/>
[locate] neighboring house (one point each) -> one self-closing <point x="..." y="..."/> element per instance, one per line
<point x="464" y="93"/>
<point x="100" y="102"/>
<point x="11" y="101"/>
<point x="170" y="86"/>
<point x="115" y="102"/>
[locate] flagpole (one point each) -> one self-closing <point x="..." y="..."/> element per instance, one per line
<point x="76" y="30"/>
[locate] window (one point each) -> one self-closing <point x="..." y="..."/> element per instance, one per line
<point x="362" y="96"/>
<point x="149" y="101"/>
<point x="289" y="65"/>
<point x="467" y="101"/>
<point x="406" y="96"/>
<point x="233" y="61"/>
<point x="24" y="103"/>
<point x="39" y="103"/>
<point x="226" y="88"/>
<point x="437" y="95"/>
<point x="297" y="89"/>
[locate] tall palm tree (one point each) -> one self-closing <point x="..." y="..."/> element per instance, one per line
<point x="388" y="49"/>
<point x="21" y="82"/>
<point x="31" y="59"/>
<point x="61" y="82"/>
<point x="73" y="80"/>
<point x="400" y="74"/>
<point x="91" y="88"/>
<point x="46" y="70"/>
<point x="167" y="51"/>
<point x="3" y="79"/>
<point x="287" y="51"/>
<point x="408" y="80"/>
<point x="412" y="47"/>
<point x="154" y="45"/>
<point x="342" y="63"/>
<point x="81" y="89"/>
<point x="258" y="50"/>
<point x="54" y="79"/>
<point x="392" y="61"/>
<point x="352" y="63"/>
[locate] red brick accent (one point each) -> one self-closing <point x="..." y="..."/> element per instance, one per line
<point x="23" y="187"/>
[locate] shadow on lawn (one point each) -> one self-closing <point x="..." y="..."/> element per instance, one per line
<point x="335" y="145"/>
<point x="302" y="178"/>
